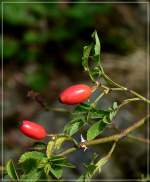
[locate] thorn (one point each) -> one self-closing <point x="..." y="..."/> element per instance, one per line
<point x="82" y="144"/>
<point x="82" y="139"/>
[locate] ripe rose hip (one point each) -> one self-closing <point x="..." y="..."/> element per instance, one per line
<point x="32" y="130"/>
<point x="75" y="94"/>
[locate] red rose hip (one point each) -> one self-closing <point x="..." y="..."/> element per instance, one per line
<point x="75" y="94"/>
<point x="32" y="130"/>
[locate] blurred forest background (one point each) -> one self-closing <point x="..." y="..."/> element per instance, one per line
<point x="42" y="51"/>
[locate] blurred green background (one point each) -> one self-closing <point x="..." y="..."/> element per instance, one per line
<point x="42" y="51"/>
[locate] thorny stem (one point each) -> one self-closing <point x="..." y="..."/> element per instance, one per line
<point x="111" y="138"/>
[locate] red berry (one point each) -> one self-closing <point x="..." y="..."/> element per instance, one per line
<point x="75" y="94"/>
<point x="32" y="130"/>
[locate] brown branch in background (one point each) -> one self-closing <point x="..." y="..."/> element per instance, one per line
<point x="35" y="96"/>
<point x="137" y="138"/>
<point x="38" y="98"/>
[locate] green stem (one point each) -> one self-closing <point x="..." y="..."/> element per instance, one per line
<point x="109" y="80"/>
<point x="97" y="99"/>
<point x="58" y="110"/>
<point x="68" y="151"/>
<point x="126" y="101"/>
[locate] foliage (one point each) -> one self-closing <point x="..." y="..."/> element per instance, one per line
<point x="49" y="162"/>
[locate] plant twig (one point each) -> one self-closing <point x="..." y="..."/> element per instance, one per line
<point x="126" y="101"/>
<point x="117" y="137"/>
<point x="109" y="80"/>
<point x="111" y="138"/>
<point x="67" y="151"/>
<point x="137" y="138"/>
<point x="97" y="99"/>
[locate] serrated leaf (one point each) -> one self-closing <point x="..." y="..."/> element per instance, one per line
<point x="11" y="171"/>
<point x="29" y="165"/>
<point x="31" y="155"/>
<point x="35" y="175"/>
<point x="74" y="127"/>
<point x="95" y="130"/>
<point x="50" y="148"/>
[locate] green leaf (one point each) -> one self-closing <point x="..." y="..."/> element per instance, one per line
<point x="97" y="45"/>
<point x="47" y="168"/>
<point x="11" y="171"/>
<point x="57" y="171"/>
<point x="92" y="53"/>
<point x="95" y="130"/>
<point x="33" y="175"/>
<point x="82" y="108"/>
<point x="93" y="167"/>
<point x="98" y="114"/>
<point x="29" y="165"/>
<point x="79" y="119"/>
<point x="31" y="155"/>
<point x="85" y="57"/>
<point x="60" y="161"/>
<point x="56" y="158"/>
<point x="74" y="127"/>
<point x="50" y="148"/>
